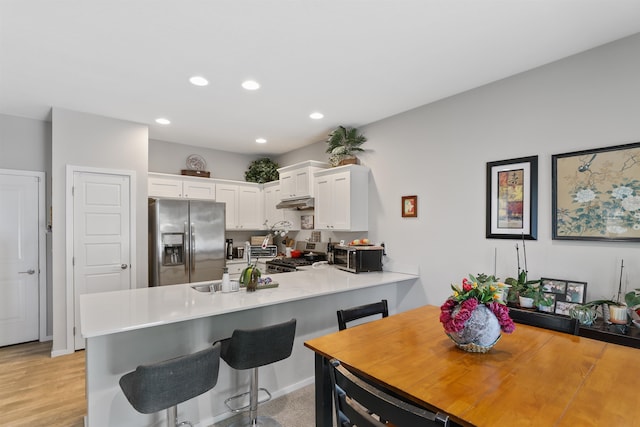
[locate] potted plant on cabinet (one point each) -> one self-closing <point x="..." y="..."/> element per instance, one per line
<point x="262" y="170"/>
<point x="343" y="142"/>
<point x="544" y="302"/>
<point x="525" y="291"/>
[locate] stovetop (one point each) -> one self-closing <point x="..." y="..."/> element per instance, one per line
<point x="290" y="262"/>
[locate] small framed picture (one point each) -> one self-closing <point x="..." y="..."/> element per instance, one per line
<point x="563" y="307"/>
<point x="306" y="222"/>
<point x="566" y="290"/>
<point x="576" y="292"/>
<point x="554" y="286"/>
<point x="409" y="206"/>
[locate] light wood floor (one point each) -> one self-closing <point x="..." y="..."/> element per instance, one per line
<point x="37" y="390"/>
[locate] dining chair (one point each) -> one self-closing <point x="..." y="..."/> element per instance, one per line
<point x="354" y="313"/>
<point x="546" y="321"/>
<point x="355" y="400"/>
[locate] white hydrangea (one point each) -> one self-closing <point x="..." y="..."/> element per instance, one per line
<point x="631" y="203"/>
<point x="622" y="192"/>
<point x="585" y="195"/>
<point x="616" y="229"/>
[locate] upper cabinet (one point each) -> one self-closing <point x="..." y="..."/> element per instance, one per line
<point x="176" y="186"/>
<point x="271" y="192"/>
<point x="296" y="181"/>
<point x="244" y="205"/>
<point x="342" y="198"/>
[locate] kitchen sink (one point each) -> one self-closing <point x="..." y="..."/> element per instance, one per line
<point x="202" y="288"/>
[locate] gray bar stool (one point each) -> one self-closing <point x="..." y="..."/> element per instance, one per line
<point x="250" y="349"/>
<point x="159" y="386"/>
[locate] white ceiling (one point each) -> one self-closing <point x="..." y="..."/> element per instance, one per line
<point x="357" y="61"/>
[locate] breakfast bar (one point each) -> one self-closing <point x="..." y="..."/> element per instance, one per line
<point x="124" y="329"/>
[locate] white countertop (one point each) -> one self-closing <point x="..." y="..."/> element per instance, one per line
<point x="113" y="312"/>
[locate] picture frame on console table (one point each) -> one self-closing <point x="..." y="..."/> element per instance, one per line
<point x="566" y="293"/>
<point x="512" y="199"/>
<point x="596" y="194"/>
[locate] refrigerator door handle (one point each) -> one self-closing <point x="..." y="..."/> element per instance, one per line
<point x="187" y="254"/>
<point x="193" y="247"/>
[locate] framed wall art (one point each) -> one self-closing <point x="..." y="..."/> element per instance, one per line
<point x="409" y="206"/>
<point x="306" y="222"/>
<point x="596" y="194"/>
<point x="512" y="199"/>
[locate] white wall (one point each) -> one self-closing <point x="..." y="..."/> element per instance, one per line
<point x="25" y="144"/>
<point x="439" y="152"/>
<point x="82" y="139"/>
<point x="167" y="157"/>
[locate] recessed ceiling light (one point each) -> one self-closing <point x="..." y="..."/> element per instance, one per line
<point x="261" y="140"/>
<point x="163" y="121"/>
<point x="250" y="85"/>
<point x="316" y="115"/>
<point x="199" y="81"/>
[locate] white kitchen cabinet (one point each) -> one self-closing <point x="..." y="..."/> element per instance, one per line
<point x="342" y="198"/>
<point x="250" y="207"/>
<point x="177" y="186"/>
<point x="244" y="205"/>
<point x="296" y="181"/>
<point x="271" y="193"/>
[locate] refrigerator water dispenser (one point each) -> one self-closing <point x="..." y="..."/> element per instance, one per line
<point x="172" y="248"/>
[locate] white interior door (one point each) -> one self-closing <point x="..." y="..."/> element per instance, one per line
<point x="19" y="259"/>
<point x="102" y="236"/>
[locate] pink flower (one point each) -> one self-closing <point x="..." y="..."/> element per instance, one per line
<point x="502" y="313"/>
<point x="455" y="322"/>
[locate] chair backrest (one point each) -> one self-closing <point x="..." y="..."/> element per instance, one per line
<point x="251" y="348"/>
<point x="356" y="400"/>
<point x="350" y="314"/>
<point x="158" y="386"/>
<point x="547" y="321"/>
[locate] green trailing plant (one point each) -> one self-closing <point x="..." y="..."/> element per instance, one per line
<point x="262" y="170"/>
<point x="523" y="287"/>
<point x="543" y="299"/>
<point x="632" y="298"/>
<point x="343" y="142"/>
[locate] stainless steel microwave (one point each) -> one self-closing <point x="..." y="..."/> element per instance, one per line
<point x="358" y="259"/>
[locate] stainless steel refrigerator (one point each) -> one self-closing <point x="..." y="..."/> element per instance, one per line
<point x="186" y="241"/>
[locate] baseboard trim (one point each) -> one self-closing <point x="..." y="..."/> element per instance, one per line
<point x="63" y="352"/>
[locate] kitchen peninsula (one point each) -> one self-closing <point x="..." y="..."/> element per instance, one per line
<point x="124" y="329"/>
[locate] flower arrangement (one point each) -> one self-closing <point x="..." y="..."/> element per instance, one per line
<point x="459" y="307"/>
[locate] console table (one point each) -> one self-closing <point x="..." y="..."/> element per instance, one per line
<point x="627" y="335"/>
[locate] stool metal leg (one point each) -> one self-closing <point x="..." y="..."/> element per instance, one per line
<point x="254" y="420"/>
<point x="172" y="418"/>
<point x="172" y="415"/>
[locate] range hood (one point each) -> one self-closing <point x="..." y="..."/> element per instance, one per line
<point x="304" y="203"/>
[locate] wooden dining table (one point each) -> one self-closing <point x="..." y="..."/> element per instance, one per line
<point x="531" y="377"/>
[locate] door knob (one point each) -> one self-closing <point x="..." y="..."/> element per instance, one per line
<point x="29" y="271"/>
<point x="123" y="266"/>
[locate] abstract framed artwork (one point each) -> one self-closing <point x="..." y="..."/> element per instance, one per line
<point x="596" y="194"/>
<point x="512" y="199"/>
<point x="409" y="206"/>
